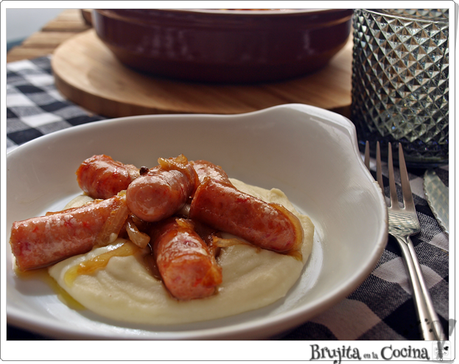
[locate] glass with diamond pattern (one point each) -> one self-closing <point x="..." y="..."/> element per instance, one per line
<point x="400" y="82"/>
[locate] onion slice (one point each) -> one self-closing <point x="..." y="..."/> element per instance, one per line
<point x="135" y="235"/>
<point x="114" y="223"/>
<point x="224" y="243"/>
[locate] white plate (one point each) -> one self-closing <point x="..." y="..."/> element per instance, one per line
<point x="309" y="153"/>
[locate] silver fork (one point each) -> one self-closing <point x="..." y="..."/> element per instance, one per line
<point x="403" y="222"/>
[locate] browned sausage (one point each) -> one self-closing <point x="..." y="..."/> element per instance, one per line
<point x="207" y="169"/>
<point x="269" y="226"/>
<point x="162" y="191"/>
<point x="186" y="265"/>
<point x="102" y="177"/>
<point x="44" y="240"/>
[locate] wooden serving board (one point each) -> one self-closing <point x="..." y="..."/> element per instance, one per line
<point x="87" y="73"/>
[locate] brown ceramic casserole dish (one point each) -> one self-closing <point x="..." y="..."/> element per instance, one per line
<point x="224" y="45"/>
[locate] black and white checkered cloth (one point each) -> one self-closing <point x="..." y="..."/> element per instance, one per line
<point x="34" y="106"/>
<point x="380" y="309"/>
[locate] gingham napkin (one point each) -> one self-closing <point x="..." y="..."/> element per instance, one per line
<point x="34" y="106"/>
<point x="380" y="309"/>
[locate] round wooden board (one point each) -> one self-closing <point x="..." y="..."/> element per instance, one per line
<point x="87" y="73"/>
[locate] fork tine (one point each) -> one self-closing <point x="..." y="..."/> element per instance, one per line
<point x="378" y="167"/>
<point x="405" y="181"/>
<point x="392" y="188"/>
<point x="402" y="224"/>
<point x="367" y="155"/>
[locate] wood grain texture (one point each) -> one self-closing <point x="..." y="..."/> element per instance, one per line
<point x="42" y="43"/>
<point x="87" y="73"/>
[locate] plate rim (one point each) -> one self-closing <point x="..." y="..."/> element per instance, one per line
<point x="283" y="318"/>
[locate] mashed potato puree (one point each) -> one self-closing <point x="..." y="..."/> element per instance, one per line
<point x="252" y="278"/>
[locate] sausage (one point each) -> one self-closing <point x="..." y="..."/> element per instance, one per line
<point x="187" y="266"/>
<point x="163" y="190"/>
<point x="266" y="225"/>
<point x="207" y="169"/>
<point x="102" y="177"/>
<point x="41" y="241"/>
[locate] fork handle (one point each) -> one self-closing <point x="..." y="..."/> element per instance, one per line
<point x="434" y="320"/>
<point x="429" y="322"/>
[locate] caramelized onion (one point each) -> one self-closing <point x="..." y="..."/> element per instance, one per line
<point x="135" y="235"/>
<point x="224" y="243"/>
<point x="114" y="223"/>
<point x="180" y="164"/>
<point x="99" y="262"/>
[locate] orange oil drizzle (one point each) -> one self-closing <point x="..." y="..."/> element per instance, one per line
<point x="43" y="275"/>
<point x="99" y="262"/>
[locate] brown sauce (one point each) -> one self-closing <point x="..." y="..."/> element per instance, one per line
<point x="149" y="262"/>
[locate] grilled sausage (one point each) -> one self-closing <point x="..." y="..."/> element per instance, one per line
<point x="102" y="177"/>
<point x="41" y="241"/>
<point x="163" y="190"/>
<point x="186" y="265"/>
<point x="266" y="225"/>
